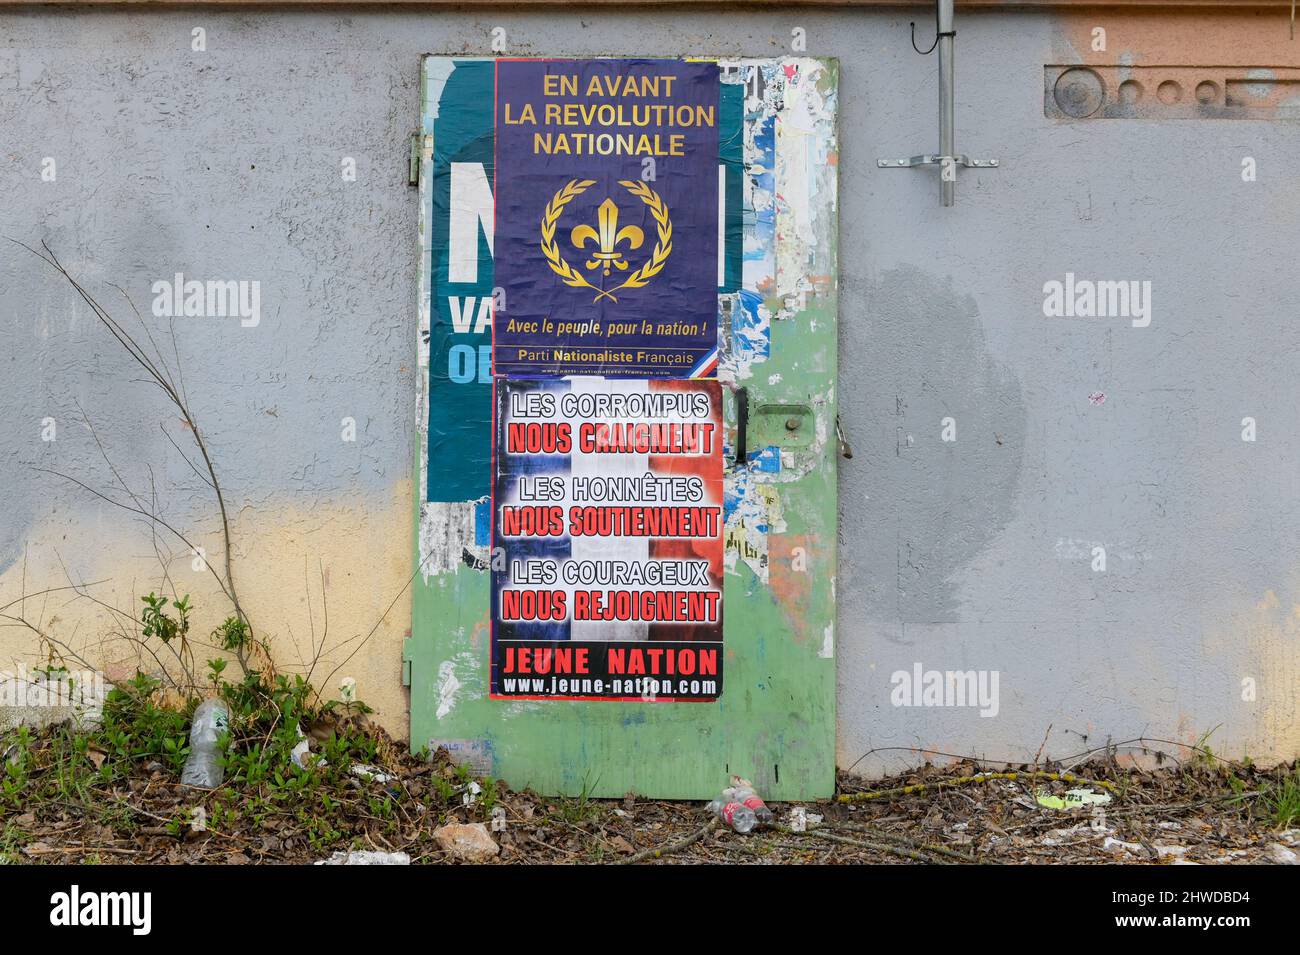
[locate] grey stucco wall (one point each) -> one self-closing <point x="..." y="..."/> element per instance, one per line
<point x="973" y="554"/>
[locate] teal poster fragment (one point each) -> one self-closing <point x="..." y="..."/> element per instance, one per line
<point x="458" y="113"/>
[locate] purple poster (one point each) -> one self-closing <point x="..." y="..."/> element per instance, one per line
<point x="606" y="233"/>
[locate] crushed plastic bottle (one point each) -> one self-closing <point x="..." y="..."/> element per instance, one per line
<point x="742" y="791"/>
<point x="203" y="765"/>
<point x="302" y="750"/>
<point x="734" y="815"/>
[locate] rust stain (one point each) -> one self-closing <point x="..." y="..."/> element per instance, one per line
<point x="792" y="589"/>
<point x="1224" y="37"/>
<point x="1173" y="65"/>
<point x="482" y="627"/>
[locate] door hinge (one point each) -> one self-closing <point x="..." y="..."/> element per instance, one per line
<point x="421" y="152"/>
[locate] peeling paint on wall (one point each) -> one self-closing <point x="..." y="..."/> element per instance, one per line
<point x="474" y="754"/>
<point x="448" y="687"/>
<point x="452" y="533"/>
<point x="790" y="241"/>
<point x="751" y="511"/>
<point x="807" y="159"/>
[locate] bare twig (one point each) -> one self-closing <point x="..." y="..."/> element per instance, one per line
<point x="661" y="851"/>
<point x="915" y="855"/>
<point x="903" y="840"/>
<point x="931" y="788"/>
<point x="159" y="373"/>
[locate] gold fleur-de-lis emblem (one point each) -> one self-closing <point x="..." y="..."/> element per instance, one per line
<point x="609" y="237"/>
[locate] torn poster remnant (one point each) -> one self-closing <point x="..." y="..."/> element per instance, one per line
<point x="751" y="511"/>
<point x="453" y="533"/>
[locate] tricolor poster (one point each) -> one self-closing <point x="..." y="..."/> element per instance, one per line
<point x="608" y="523"/>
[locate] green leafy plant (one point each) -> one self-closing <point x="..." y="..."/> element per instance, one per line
<point x="158" y="623"/>
<point x="136" y="727"/>
<point x="14" y="768"/>
<point x="232" y="635"/>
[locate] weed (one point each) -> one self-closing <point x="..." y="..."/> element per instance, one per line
<point x="10" y="846"/>
<point x="118" y="817"/>
<point x="445" y="790"/>
<point x="580" y="809"/>
<point x="142" y="725"/>
<point x="233" y="634"/>
<point x="13" y="781"/>
<point x="157" y="622"/>
<point x="487" y="799"/>
<point x="1282" y="798"/>
<point x="1203" y="756"/>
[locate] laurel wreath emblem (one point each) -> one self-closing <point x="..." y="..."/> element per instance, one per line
<point x="575" y="279"/>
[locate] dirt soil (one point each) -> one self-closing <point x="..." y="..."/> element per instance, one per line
<point x="948" y="815"/>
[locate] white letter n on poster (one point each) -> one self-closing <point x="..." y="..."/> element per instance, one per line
<point x="471" y="207"/>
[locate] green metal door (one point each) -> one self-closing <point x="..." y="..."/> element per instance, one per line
<point x="774" y="721"/>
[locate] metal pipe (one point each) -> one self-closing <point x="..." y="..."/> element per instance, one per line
<point x="947" y="167"/>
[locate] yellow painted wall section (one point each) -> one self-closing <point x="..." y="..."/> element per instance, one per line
<point x="314" y="579"/>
